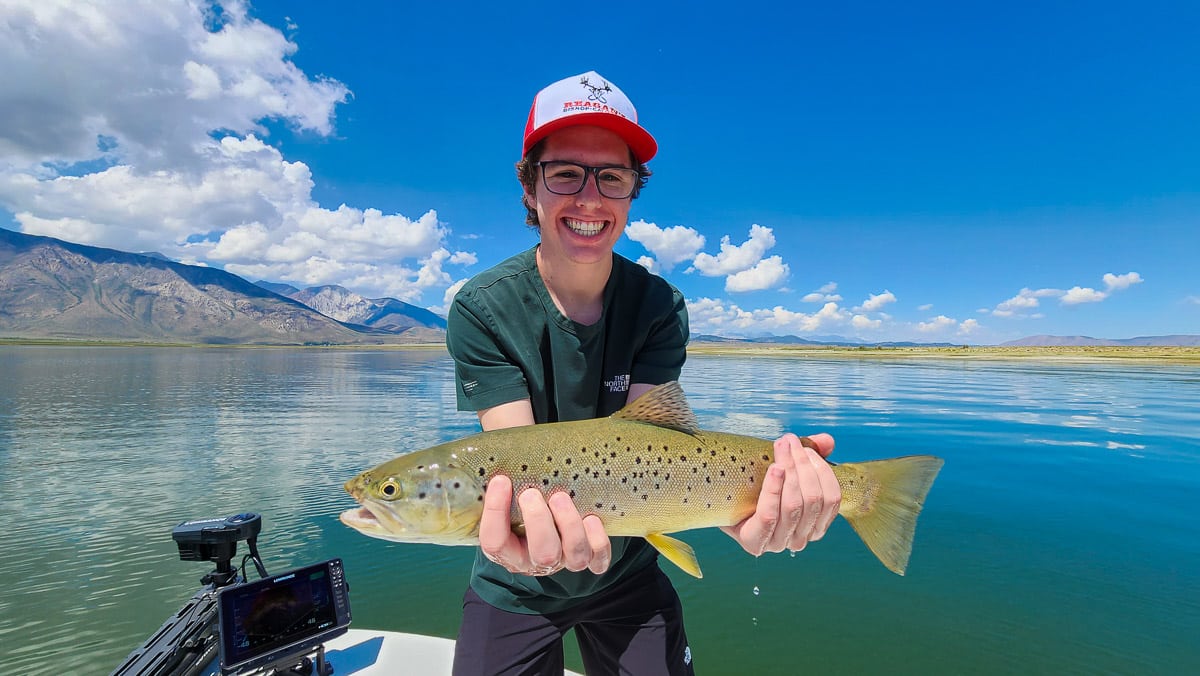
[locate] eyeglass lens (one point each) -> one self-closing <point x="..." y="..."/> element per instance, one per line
<point x="568" y="178"/>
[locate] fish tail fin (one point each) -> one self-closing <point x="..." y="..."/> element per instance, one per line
<point x="882" y="499"/>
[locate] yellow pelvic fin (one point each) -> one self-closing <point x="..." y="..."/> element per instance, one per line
<point x="677" y="552"/>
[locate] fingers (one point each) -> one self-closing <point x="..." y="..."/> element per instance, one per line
<point x="798" y="501"/>
<point x="557" y="536"/>
<point x="545" y="552"/>
<point x="598" y="541"/>
<point x="496" y="538"/>
<point x="831" y="492"/>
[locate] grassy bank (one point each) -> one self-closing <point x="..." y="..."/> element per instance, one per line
<point x="1157" y="354"/>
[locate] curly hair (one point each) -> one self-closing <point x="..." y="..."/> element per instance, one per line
<point x="527" y="175"/>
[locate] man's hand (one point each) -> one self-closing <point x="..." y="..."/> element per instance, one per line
<point x="556" y="535"/>
<point x="799" y="499"/>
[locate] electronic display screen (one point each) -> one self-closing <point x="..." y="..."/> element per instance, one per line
<point x="264" y="620"/>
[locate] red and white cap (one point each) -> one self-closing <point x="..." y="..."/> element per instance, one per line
<point x="587" y="99"/>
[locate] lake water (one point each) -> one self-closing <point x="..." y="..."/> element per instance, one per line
<point x="1061" y="537"/>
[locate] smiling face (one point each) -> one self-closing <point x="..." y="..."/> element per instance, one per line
<point x="582" y="228"/>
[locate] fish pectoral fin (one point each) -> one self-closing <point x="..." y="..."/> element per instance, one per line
<point x="677" y="552"/>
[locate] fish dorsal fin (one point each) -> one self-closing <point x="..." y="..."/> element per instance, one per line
<point x="664" y="406"/>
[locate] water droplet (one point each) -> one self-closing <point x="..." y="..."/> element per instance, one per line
<point x="756" y="590"/>
<point x="754" y="620"/>
<point x="792" y="553"/>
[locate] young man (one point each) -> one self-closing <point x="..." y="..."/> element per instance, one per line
<point x="569" y="330"/>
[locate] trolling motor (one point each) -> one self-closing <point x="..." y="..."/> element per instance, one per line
<point x="187" y="642"/>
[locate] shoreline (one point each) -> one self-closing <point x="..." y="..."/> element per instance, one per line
<point x="1158" y="354"/>
<point x="1186" y="355"/>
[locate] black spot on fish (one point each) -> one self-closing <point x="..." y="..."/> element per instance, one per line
<point x="555" y="474"/>
<point x="568" y="461"/>
<point x="545" y="482"/>
<point x="614" y="508"/>
<point x="575" y="477"/>
<point x="438" y="485"/>
<point x="583" y="449"/>
<point x="613" y="454"/>
<point x="722" y="472"/>
<point x="649" y="447"/>
<point x="639" y="460"/>
<point x="599" y="505"/>
<point x="643" y="496"/>
<point x="457" y="485"/>
<point x="549" y="459"/>
<point x="421" y="496"/>
<point x="708" y="506"/>
<point x="708" y="480"/>
<point x="695" y="470"/>
<point x="713" y="453"/>
<point x="728" y="498"/>
<point x="683" y="458"/>
<point x="658" y="487"/>
<point x="572" y="494"/>
<point x="479" y="499"/>
<point x="766" y="458"/>
<point x="732" y="458"/>
<point x="608" y="472"/>
<point x="524" y="468"/>
<point x="751" y="481"/>
<point x="624" y="479"/>
<point x="595" y="475"/>
<point x="480" y="471"/>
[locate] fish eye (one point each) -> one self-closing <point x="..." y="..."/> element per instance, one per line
<point x="389" y="488"/>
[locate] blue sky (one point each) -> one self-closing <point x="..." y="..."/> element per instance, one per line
<point x="886" y="171"/>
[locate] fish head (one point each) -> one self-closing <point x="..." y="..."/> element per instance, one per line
<point x="415" y="501"/>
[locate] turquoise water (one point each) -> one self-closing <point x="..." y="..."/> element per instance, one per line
<point x="1061" y="537"/>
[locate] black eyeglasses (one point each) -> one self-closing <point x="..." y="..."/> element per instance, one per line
<point x="568" y="178"/>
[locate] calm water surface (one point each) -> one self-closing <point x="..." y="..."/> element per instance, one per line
<point x="1061" y="537"/>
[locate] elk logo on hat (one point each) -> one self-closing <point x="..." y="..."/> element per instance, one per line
<point x="597" y="92"/>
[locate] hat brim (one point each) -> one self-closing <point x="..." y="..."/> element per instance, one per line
<point x="639" y="140"/>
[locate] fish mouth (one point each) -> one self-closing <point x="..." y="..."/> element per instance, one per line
<point x="368" y="522"/>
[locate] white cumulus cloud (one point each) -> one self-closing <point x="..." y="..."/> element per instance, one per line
<point x="670" y="246"/>
<point x="766" y="274"/>
<point x="734" y="258"/>
<point x="139" y="125"/>
<point x="877" y="301"/>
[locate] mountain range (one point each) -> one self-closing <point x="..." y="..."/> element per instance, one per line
<point x="57" y="290"/>
<point x="52" y="289"/>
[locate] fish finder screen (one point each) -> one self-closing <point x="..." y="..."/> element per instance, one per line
<point x="266" y="615"/>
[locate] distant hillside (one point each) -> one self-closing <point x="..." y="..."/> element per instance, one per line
<point x="387" y="314"/>
<point x="1078" y="341"/>
<point x="55" y="289"/>
<point x="838" y="341"/>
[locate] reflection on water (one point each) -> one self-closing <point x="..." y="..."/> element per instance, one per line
<point x="1058" y="538"/>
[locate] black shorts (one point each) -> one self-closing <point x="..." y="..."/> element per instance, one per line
<point x="634" y="628"/>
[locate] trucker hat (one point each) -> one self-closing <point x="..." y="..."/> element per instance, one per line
<point x="592" y="100"/>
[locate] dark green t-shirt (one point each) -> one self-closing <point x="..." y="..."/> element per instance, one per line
<point x="509" y="341"/>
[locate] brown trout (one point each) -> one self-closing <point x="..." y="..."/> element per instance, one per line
<point x="646" y="471"/>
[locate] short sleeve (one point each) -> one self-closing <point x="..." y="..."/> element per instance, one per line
<point x="485" y="374"/>
<point x="661" y="358"/>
